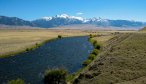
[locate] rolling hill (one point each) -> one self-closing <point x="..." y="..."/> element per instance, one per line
<point x="121" y="61"/>
<point x="143" y="29"/>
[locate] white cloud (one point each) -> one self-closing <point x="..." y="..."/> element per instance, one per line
<point x="79" y="13"/>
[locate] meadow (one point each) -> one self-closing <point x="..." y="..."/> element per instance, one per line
<point x="122" y="60"/>
<point x="13" y="41"/>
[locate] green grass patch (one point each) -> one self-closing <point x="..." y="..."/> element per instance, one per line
<point x="91" y="56"/>
<point x="17" y="81"/>
<point x="87" y="62"/>
<point x="95" y="52"/>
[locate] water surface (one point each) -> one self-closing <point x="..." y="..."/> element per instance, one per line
<point x="68" y="53"/>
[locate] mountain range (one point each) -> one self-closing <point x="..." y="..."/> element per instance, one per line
<point x="64" y="19"/>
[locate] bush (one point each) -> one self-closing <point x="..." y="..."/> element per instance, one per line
<point x="87" y="62"/>
<point x="36" y="44"/>
<point x="95" y="52"/>
<point x="91" y="36"/>
<point x="56" y="76"/>
<point x="90" y="40"/>
<point x="91" y="57"/>
<point x="96" y="45"/>
<point x="27" y="49"/>
<point x="59" y="36"/>
<point x="17" y="81"/>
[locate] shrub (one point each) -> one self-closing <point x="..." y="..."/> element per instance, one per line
<point x="36" y="44"/>
<point x="91" y="57"/>
<point x="17" y="81"/>
<point x="90" y="40"/>
<point x="95" y="52"/>
<point x="91" y="36"/>
<point x="27" y="49"/>
<point x="56" y="76"/>
<point x="59" y="36"/>
<point x="87" y="62"/>
<point x="96" y="45"/>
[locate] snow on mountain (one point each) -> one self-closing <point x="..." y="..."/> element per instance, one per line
<point x="69" y="17"/>
<point x="65" y="16"/>
<point x="46" y="18"/>
<point x="102" y="20"/>
<point x="94" y="19"/>
<point x="64" y="19"/>
<point x="79" y="18"/>
<point x="86" y="20"/>
<point x="58" y="20"/>
<point x="62" y="16"/>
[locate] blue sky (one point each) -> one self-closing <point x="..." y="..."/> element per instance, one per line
<point x="110" y="9"/>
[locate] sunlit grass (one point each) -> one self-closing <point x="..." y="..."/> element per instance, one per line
<point x="122" y="61"/>
<point x="17" y="40"/>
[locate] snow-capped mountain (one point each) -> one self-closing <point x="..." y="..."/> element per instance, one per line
<point x="58" y="20"/>
<point x="94" y="19"/>
<point x="69" y="17"/>
<point x="46" y="18"/>
<point x="64" y="19"/>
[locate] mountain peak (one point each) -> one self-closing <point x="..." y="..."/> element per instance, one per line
<point x="65" y="19"/>
<point x="94" y="19"/>
<point x="47" y="18"/>
<point x="63" y="16"/>
<point x="69" y="17"/>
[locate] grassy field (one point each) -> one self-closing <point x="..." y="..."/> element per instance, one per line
<point x="122" y="58"/>
<point x="17" y="40"/>
<point x="102" y="38"/>
<point x="122" y="61"/>
<point x="13" y="40"/>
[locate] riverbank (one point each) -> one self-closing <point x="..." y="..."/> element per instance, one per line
<point x="14" y="41"/>
<point x="68" y="53"/>
<point x="36" y="45"/>
<point x="121" y="62"/>
<point x="97" y="40"/>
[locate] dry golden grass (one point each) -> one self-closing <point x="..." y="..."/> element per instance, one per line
<point x="103" y="36"/>
<point x="17" y="40"/>
<point x="122" y="61"/>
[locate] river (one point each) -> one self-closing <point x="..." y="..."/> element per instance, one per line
<point x="68" y="53"/>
